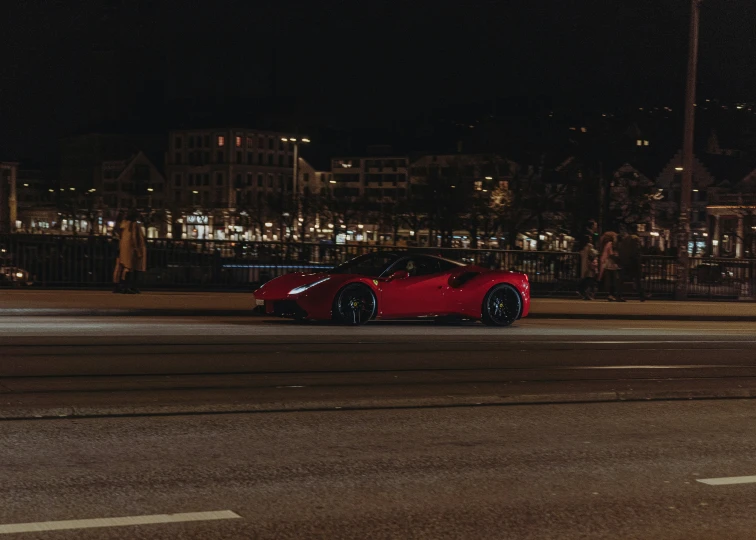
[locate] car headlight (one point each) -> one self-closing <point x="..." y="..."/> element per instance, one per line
<point x="303" y="288"/>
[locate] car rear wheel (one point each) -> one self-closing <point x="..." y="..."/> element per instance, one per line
<point x="354" y="305"/>
<point x="501" y="306"/>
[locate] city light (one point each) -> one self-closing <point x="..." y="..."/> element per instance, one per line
<point x="284" y="139"/>
<point x="195" y="192"/>
<point x="678" y="168"/>
<point x="26" y="185"/>
<point x="148" y="189"/>
<point x="489" y="177"/>
<point x="268" y="224"/>
<point x="333" y="181"/>
<point x="73" y="189"/>
<point x="330" y="225"/>
<point x="360" y="226"/>
<point x="305" y="140"/>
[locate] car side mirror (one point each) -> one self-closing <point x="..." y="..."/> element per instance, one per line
<point x="399" y="274"/>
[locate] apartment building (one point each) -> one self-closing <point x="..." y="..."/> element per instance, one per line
<point x="213" y="173"/>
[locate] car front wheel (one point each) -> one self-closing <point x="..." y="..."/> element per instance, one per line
<point x="354" y="305"/>
<point x="501" y="306"/>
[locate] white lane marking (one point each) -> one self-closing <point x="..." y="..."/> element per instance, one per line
<point x="682" y="366"/>
<point x="42" y="526"/>
<point x="738" y="342"/>
<point x="728" y="480"/>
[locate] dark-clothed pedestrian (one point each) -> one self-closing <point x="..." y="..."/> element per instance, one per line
<point x="132" y="253"/>
<point x="631" y="265"/>
<point x="588" y="269"/>
<point x="609" y="267"/>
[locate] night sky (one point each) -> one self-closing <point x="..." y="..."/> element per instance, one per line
<point x="72" y="66"/>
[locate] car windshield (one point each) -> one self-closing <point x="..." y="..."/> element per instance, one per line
<point x="371" y="265"/>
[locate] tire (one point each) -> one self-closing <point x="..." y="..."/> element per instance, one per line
<point x="354" y="305"/>
<point x="502" y="306"/>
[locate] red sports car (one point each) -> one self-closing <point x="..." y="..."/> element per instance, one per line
<point x="389" y="285"/>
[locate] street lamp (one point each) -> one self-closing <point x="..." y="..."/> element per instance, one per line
<point x="686" y="184"/>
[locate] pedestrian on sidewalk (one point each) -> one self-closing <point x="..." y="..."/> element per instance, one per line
<point x="609" y="269"/>
<point x="631" y="264"/>
<point x="132" y="253"/>
<point x="588" y="269"/>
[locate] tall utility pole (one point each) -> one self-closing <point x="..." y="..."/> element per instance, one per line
<point x="686" y="187"/>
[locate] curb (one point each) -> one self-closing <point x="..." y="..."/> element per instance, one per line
<point x="643" y="317"/>
<point x="48" y="413"/>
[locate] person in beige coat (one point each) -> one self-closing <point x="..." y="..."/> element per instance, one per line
<point x="132" y="254"/>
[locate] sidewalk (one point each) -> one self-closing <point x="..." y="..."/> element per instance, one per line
<point x="15" y="303"/>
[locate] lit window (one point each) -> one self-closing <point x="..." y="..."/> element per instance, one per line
<point x="645" y="143"/>
<point x="238" y="141"/>
<point x="639" y="142"/>
<point x="221" y="140"/>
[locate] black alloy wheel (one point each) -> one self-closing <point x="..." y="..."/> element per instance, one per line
<point x="501" y="306"/>
<point x="355" y="304"/>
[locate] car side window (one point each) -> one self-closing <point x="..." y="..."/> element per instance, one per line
<point x="418" y="266"/>
<point x="446" y="266"/>
<point x="426" y="266"/>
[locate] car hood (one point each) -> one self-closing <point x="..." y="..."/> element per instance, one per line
<point x="280" y="286"/>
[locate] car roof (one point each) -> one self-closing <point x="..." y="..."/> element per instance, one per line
<point x="410" y="253"/>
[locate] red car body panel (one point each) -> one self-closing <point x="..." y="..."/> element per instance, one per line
<point x="457" y="292"/>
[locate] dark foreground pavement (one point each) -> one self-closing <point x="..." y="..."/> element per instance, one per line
<point x="608" y="471"/>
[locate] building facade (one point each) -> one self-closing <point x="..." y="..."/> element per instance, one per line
<point x="8" y="197"/>
<point x="215" y="175"/>
<point x="374" y="178"/>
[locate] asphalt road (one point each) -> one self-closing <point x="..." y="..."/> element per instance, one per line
<point x="550" y="429"/>
<point x="90" y="367"/>
<point x="619" y="470"/>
